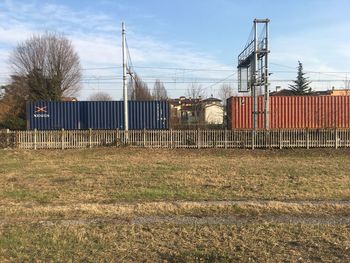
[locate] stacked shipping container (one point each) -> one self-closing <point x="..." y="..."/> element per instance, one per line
<point x="84" y="115"/>
<point x="288" y="112"/>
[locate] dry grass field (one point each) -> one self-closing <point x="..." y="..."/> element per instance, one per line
<point x="143" y="205"/>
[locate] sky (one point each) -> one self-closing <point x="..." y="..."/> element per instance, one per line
<point x="184" y="42"/>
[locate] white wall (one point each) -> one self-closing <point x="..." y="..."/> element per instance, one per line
<point x="214" y="114"/>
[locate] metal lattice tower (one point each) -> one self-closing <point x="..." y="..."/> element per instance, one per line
<point x="253" y="68"/>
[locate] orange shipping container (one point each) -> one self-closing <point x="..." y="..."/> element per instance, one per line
<point x="289" y="112"/>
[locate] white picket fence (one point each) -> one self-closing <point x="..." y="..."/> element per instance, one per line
<point x="296" y="138"/>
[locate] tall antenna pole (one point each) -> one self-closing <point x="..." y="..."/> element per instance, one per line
<point x="125" y="85"/>
<point x="255" y="84"/>
<point x="254" y="59"/>
<point x="266" y="74"/>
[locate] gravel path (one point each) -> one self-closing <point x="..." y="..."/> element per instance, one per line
<point x="299" y="218"/>
<point x="229" y="202"/>
<point x="263" y="202"/>
<point x="189" y="220"/>
<point x="231" y="220"/>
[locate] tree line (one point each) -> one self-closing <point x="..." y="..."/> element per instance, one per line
<point x="137" y="90"/>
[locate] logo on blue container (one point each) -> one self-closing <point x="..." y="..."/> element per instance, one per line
<point x="41" y="112"/>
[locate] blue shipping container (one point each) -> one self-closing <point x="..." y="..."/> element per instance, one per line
<point x="107" y="115"/>
<point x="104" y="115"/>
<point x="43" y="115"/>
<point x="149" y="115"/>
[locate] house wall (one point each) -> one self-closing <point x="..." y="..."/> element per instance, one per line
<point x="340" y="93"/>
<point x="214" y="114"/>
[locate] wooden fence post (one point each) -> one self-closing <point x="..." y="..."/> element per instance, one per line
<point x="307" y="139"/>
<point x="198" y="139"/>
<point x="62" y="139"/>
<point x="90" y="138"/>
<point x="253" y="139"/>
<point x="280" y="138"/>
<point x="225" y="138"/>
<point x="171" y="138"/>
<point x="116" y="138"/>
<point x="144" y="138"/>
<point x="336" y="138"/>
<point x="267" y="139"/>
<point x="35" y="138"/>
<point x="17" y="139"/>
<point x="7" y="138"/>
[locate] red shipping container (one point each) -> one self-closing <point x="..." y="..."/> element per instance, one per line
<point x="289" y="112"/>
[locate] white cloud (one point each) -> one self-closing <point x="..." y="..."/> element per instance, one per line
<point x="96" y="38"/>
<point x="13" y="35"/>
<point x="323" y="50"/>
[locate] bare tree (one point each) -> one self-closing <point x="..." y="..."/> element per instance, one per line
<point x="140" y="90"/>
<point x="100" y="96"/>
<point x="49" y="65"/>
<point x="159" y="92"/>
<point x="195" y="91"/>
<point x="130" y="87"/>
<point x="225" y="92"/>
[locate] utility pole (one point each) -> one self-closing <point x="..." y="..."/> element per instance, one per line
<point x="125" y="85"/>
<point x="255" y="78"/>
<point x="266" y="75"/>
<point x="253" y="70"/>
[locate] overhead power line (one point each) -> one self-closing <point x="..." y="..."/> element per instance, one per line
<point x="101" y="68"/>
<point x="215" y="82"/>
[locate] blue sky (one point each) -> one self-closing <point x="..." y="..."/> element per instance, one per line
<point x="166" y="38"/>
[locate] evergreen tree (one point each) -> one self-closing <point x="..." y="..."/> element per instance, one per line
<point x="301" y="85"/>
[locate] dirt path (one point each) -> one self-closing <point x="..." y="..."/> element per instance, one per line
<point x="259" y="202"/>
<point x="189" y="220"/>
<point x="220" y="202"/>
<point x="232" y="220"/>
<point x="289" y="212"/>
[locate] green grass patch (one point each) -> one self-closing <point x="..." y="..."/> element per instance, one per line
<point x="166" y="242"/>
<point x="112" y="175"/>
<point x="25" y="195"/>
